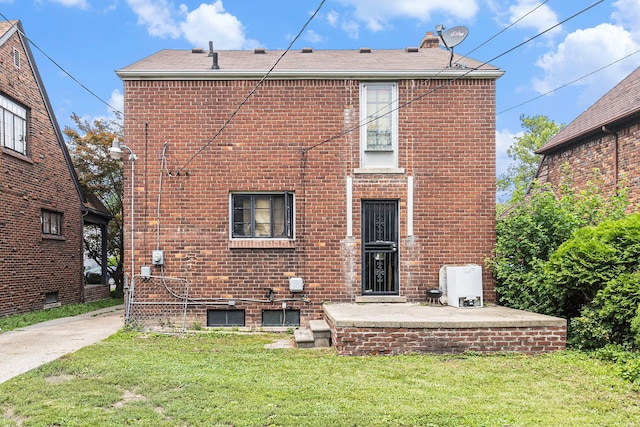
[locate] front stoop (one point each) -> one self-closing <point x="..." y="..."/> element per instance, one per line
<point x="318" y="335"/>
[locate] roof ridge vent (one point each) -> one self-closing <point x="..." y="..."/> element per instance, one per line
<point x="259" y="50"/>
<point x="365" y="50"/>
<point x="307" y="50"/>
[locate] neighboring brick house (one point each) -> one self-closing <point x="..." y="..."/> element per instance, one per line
<point x="42" y="204"/>
<point x="362" y="172"/>
<point x="605" y="137"/>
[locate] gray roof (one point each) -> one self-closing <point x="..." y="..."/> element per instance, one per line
<point x="619" y="104"/>
<point x="306" y="63"/>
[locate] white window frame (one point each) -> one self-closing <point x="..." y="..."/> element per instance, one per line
<point x="13" y="126"/>
<point x="371" y="156"/>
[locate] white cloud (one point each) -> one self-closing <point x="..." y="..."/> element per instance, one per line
<point x="584" y="51"/>
<point x="332" y="18"/>
<point x="157" y="16"/>
<point x="313" y="37"/>
<point x="117" y="100"/>
<point x="376" y="13"/>
<point x="208" y="22"/>
<point x="534" y="15"/>
<point x="504" y="139"/>
<point x="627" y="14"/>
<point x="352" y="29"/>
<point x="82" y="4"/>
<point x="212" y="22"/>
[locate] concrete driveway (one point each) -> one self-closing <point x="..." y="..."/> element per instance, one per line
<point x="27" y="348"/>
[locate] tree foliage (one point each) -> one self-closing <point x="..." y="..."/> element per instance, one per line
<point x="520" y="173"/>
<point x="527" y="234"/>
<point x="98" y="173"/>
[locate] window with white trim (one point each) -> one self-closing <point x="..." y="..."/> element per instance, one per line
<point x="379" y="120"/>
<point x="262" y="215"/>
<point x="13" y="126"/>
<point x="51" y="223"/>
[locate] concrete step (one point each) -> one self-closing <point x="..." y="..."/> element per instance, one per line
<point x="321" y="333"/>
<point x="303" y="338"/>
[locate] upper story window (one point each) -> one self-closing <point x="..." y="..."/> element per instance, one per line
<point x="262" y="215"/>
<point x="13" y="126"/>
<point x="379" y="133"/>
<point x="51" y="223"/>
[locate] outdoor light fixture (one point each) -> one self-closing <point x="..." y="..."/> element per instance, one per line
<point x="115" y="152"/>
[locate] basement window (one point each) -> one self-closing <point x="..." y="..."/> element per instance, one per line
<point x="225" y="318"/>
<point x="262" y="215"/>
<point x="280" y="317"/>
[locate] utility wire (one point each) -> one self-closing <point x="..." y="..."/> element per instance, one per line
<point x="503" y="30"/>
<point x="246" y="99"/>
<point x="569" y="83"/>
<point x="449" y="82"/>
<point x="115" y="110"/>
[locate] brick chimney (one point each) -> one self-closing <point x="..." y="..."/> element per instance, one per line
<point x="430" y="40"/>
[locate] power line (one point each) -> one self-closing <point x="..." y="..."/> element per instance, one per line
<point x="449" y="82"/>
<point x="503" y="30"/>
<point x="246" y="99"/>
<point x="569" y="83"/>
<point x="115" y="110"/>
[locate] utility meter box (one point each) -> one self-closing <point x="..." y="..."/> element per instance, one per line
<point x="296" y="284"/>
<point x="464" y="286"/>
<point x="157" y="257"/>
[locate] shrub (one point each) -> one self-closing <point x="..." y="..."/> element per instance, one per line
<point x="596" y="260"/>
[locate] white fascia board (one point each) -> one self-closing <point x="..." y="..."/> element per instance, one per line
<point x="305" y="75"/>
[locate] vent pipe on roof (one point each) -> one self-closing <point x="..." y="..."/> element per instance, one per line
<point x="365" y="50"/>
<point x="213" y="55"/>
<point x="307" y="50"/>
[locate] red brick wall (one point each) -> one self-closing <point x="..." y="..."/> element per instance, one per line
<point x="600" y="153"/>
<point x="32" y="266"/>
<point x="392" y="341"/>
<point x="446" y="142"/>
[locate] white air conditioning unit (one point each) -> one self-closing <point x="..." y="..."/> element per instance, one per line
<point x="462" y="285"/>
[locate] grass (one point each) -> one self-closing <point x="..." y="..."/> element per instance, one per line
<point x="21" y="320"/>
<point x="230" y="379"/>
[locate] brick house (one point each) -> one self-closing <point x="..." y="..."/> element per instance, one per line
<point x="353" y="174"/>
<point x="41" y="223"/>
<point x="606" y="137"/>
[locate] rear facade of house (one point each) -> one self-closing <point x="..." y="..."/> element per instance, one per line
<point x="41" y="221"/>
<point x="343" y="176"/>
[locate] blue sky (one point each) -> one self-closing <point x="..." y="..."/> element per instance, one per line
<point x="89" y="39"/>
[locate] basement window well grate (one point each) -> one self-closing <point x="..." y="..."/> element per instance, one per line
<point x="225" y="318"/>
<point x="280" y="317"/>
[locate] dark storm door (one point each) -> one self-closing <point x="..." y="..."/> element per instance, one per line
<point x="380" y="247"/>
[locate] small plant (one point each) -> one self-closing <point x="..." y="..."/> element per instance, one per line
<point x="197" y="326"/>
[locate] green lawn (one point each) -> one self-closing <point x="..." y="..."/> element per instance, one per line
<point x="21" y="320"/>
<point x="230" y="379"/>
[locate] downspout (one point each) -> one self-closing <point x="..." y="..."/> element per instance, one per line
<point x="615" y="156"/>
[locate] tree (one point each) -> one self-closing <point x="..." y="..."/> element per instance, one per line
<point x="520" y="174"/>
<point x="98" y="173"/>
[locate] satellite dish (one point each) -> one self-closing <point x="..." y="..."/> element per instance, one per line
<point x="454" y="36"/>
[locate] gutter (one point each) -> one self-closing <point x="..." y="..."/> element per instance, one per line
<point x="305" y="75"/>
